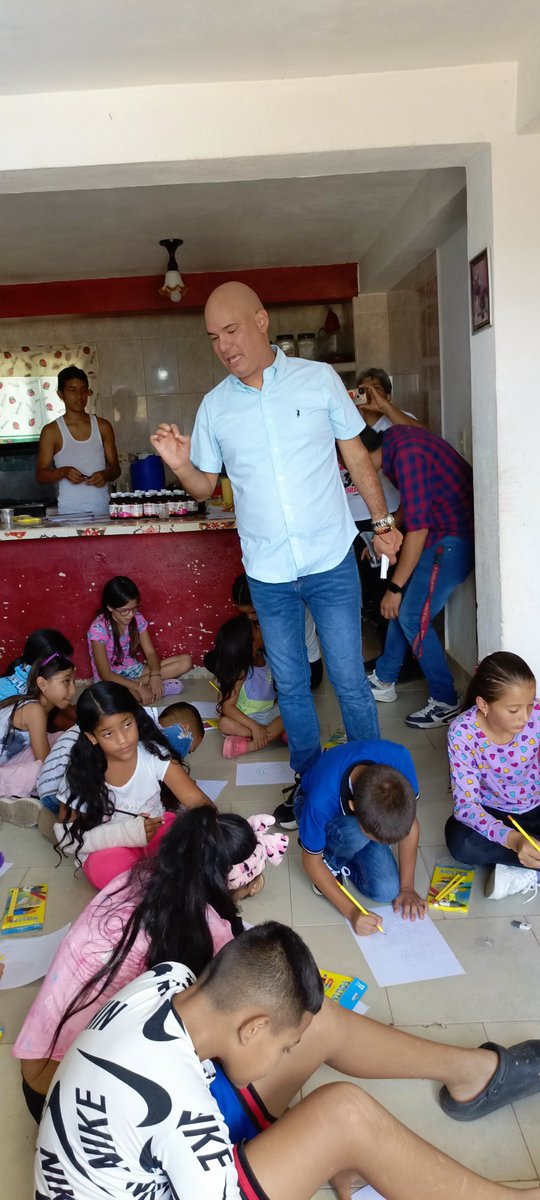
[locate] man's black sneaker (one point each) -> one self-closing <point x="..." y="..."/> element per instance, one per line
<point x="284" y="813"/>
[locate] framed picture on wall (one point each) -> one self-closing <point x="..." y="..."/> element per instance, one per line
<point x="480" y="291"/>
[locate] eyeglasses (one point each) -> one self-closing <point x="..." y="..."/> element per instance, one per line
<point x="126" y="612"/>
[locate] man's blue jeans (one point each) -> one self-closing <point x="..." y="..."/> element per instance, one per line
<point x="455" y="564"/>
<point x="335" y="603"/>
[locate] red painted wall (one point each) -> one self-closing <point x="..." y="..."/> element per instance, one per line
<point x="185" y="583"/>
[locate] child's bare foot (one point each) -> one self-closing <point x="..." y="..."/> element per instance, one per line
<point x="474" y="1075"/>
<point x="345" y="1183"/>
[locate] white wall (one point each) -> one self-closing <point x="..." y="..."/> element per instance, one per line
<point x="454" y="332"/>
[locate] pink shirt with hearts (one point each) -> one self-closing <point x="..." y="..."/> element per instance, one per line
<point x="501" y="777"/>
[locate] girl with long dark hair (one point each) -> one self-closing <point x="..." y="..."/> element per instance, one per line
<point x="23" y="734"/>
<point x="39" y="644"/>
<point x="249" y="715"/>
<point x="122" y="651"/>
<point x="180" y="905"/>
<point x="111" y="810"/>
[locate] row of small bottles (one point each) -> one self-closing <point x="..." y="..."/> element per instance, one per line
<point x="159" y="505"/>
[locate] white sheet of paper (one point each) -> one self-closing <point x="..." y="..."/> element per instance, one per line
<point x="206" y="708"/>
<point x="211" y="787"/>
<point x="27" y="958"/>
<point x="250" y="774"/>
<point x="408" y="952"/>
<point x="367" y="1193"/>
<point x="5" y="867"/>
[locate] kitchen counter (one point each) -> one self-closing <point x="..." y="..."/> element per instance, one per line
<point x="215" y="519"/>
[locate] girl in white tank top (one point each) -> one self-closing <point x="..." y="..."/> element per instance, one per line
<point x="87" y="457"/>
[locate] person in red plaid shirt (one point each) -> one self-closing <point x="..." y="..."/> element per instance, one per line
<point x="435" y="487"/>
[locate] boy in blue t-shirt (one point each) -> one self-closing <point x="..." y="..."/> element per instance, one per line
<point x="354" y="803"/>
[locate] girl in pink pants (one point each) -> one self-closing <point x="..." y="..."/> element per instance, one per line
<point x="111" y="809"/>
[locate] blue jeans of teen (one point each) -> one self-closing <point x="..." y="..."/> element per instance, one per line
<point x="455" y="565"/>
<point x="371" y="866"/>
<point x="335" y="603"/>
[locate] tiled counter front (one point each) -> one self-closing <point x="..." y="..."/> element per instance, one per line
<point x="52" y="575"/>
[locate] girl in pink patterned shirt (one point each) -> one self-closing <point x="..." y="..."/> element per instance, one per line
<point x="494" y="752"/>
<point x="121" y="649"/>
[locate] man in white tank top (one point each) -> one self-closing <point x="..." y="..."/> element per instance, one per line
<point x="78" y="451"/>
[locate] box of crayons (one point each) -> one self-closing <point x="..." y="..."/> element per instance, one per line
<point x="344" y="989"/>
<point x="25" y="909"/>
<point x="453" y="885"/>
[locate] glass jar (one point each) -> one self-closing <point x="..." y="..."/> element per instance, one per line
<point x="287" y="343"/>
<point x="306" y="345"/>
<point x="113" y="505"/>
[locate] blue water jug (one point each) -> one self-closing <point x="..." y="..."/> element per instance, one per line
<point x="148" y="474"/>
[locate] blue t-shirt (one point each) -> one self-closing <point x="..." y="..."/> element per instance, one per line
<point x="322" y="784"/>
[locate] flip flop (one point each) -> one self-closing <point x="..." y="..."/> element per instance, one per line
<point x="517" y="1075"/>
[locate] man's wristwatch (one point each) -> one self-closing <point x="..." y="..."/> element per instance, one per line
<point x="394" y="587"/>
<point x="383" y="524"/>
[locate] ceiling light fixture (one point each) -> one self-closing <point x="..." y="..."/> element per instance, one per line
<point x="173" y="284"/>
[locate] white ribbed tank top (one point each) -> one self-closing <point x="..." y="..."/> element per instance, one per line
<point x="87" y="457"/>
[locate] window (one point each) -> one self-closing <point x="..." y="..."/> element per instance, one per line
<point x="28" y="387"/>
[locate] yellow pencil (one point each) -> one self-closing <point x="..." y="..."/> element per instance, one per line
<point x="448" y="887"/>
<point x="357" y="903"/>
<point x="526" y="835"/>
<point x="213" y="685"/>
<point x="12" y="904"/>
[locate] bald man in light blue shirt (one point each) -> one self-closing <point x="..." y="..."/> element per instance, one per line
<point x="274" y="422"/>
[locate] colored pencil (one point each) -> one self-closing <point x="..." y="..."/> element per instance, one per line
<point x="448" y="887"/>
<point x="357" y="903"/>
<point x="526" y="835"/>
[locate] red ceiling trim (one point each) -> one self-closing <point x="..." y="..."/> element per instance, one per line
<point x="106" y="297"/>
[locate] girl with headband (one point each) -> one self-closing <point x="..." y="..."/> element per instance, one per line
<point x="24" y="744"/>
<point x="179" y="905"/>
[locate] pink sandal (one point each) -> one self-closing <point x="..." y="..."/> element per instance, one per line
<point x="234" y="746"/>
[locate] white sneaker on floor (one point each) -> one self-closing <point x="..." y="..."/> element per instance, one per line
<point x="383" y="693"/>
<point x="433" y="713"/>
<point x="507" y="881"/>
<point x="20" y="810"/>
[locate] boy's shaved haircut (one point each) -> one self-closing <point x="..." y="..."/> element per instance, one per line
<point x="384" y="803"/>
<point x="183" y="713"/>
<point x="268" y="965"/>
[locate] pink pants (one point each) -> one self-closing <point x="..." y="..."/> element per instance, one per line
<point x="104" y="865"/>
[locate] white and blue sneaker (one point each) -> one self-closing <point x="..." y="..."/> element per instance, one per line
<point x="383" y="693"/>
<point x="433" y="713"/>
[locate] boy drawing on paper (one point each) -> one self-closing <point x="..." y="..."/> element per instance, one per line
<point x="356" y="801"/>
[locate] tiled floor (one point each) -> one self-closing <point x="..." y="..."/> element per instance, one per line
<point x="496" y="999"/>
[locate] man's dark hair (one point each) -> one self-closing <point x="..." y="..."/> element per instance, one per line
<point x="378" y="374"/>
<point x="68" y="373"/>
<point x="384" y="803"/>
<point x="268" y="965"/>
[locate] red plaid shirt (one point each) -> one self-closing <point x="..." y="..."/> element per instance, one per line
<point x="434" y="482"/>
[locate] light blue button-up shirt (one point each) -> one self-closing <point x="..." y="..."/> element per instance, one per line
<point x="278" y="446"/>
